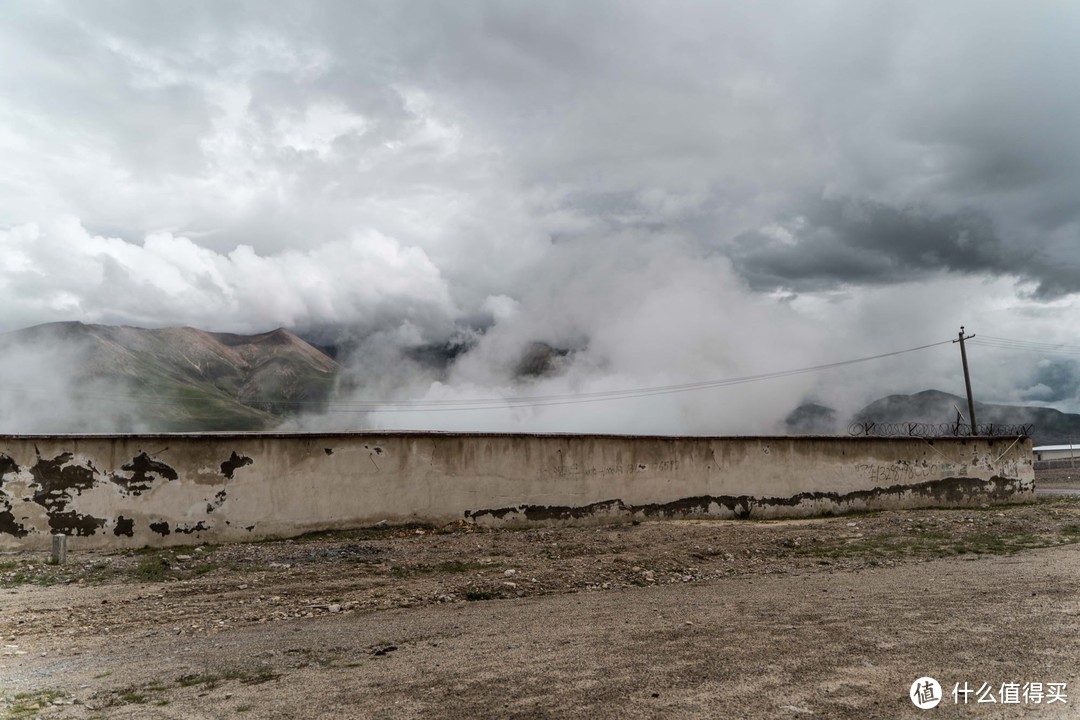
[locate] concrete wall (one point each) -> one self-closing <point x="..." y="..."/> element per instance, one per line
<point x="124" y="491"/>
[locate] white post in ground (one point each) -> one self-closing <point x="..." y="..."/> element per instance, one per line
<point x="59" y="549"/>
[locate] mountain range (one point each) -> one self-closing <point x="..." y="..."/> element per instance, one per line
<point x="189" y="380"/>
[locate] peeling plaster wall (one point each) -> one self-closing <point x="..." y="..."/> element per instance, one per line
<point x="135" y="490"/>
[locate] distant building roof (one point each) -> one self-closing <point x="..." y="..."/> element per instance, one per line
<point x="1075" y="446"/>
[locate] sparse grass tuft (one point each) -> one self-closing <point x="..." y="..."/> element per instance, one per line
<point x="30" y="704"/>
<point x="207" y="679"/>
<point x="131" y="697"/>
<point x="152" y="568"/>
<point x="213" y="680"/>
<point x="263" y="675"/>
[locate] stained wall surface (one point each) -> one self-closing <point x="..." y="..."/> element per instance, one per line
<point x="135" y="490"/>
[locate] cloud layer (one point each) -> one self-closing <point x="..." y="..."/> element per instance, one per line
<point x="673" y="191"/>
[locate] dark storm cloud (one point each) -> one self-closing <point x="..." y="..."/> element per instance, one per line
<point x="834" y="242"/>
<point x="1053" y="381"/>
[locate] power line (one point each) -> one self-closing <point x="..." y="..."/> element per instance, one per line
<point x="388" y="405"/>
<point x="1029" y="342"/>
<point x="1027" y="345"/>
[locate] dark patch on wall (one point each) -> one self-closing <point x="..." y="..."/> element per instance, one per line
<point x="124" y="526"/>
<point x="142" y="469"/>
<point x="161" y="528"/>
<point x="233" y="464"/>
<point x="56" y="479"/>
<point x="73" y="523"/>
<point x="555" y="512"/>
<point x="328" y="451"/>
<point x="8" y="466"/>
<point x="219" y="499"/>
<point x="188" y="529"/>
<point x="9" y="526"/>
<point x="961" y="490"/>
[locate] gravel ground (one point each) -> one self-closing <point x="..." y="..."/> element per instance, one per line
<point x="829" y="617"/>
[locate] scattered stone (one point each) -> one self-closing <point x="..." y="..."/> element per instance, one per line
<point x="509" y="573"/>
<point x="334" y="608"/>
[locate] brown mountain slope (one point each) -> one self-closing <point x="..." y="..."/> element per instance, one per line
<point x="183" y="378"/>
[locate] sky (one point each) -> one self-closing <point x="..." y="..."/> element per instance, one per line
<point x="672" y="192"/>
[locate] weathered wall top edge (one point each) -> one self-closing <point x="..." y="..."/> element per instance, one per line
<point x="440" y="433"/>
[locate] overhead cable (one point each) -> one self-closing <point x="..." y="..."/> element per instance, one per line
<point x="494" y="403"/>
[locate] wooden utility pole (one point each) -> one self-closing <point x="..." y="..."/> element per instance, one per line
<point x="967" y="378"/>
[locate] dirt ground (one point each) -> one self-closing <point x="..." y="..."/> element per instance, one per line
<point x="1059" y="478"/>
<point x="830" y="617"/>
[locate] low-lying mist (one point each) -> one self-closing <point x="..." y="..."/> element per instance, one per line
<point x="46" y="387"/>
<point x="610" y="312"/>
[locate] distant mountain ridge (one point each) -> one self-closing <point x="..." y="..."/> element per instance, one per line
<point x="185" y="379"/>
<point x="1049" y="426"/>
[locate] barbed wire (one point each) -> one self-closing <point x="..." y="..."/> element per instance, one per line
<point x="934" y="430"/>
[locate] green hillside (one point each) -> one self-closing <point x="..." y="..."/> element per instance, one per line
<point x="183" y="379"/>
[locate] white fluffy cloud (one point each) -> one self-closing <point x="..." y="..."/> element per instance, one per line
<point x="59" y="271"/>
